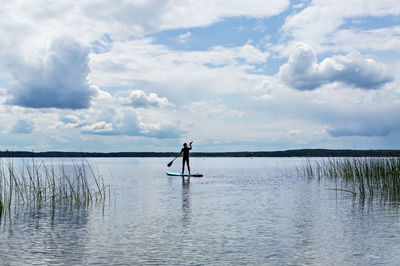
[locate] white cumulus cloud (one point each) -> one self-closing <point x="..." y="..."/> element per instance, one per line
<point x="125" y="122"/>
<point x="138" y="98"/>
<point x="58" y="80"/>
<point x="99" y="128"/>
<point x="303" y="72"/>
<point x="319" y="22"/>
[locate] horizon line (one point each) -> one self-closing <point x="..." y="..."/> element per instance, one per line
<point x="277" y="153"/>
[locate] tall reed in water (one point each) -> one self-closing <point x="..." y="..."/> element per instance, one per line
<point x="35" y="185"/>
<point x="366" y="176"/>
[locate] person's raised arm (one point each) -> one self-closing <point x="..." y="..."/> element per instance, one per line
<point x="190" y="145"/>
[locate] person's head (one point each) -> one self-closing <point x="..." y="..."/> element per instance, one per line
<point x="184" y="144"/>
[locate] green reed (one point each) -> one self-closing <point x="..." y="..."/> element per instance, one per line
<point x="365" y="176"/>
<point x="35" y="184"/>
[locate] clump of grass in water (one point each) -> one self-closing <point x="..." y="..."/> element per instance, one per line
<point x="35" y="185"/>
<point x="366" y="176"/>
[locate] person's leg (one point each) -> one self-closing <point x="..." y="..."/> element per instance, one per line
<point x="188" y="165"/>
<point x="183" y="165"/>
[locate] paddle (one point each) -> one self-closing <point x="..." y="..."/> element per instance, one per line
<point x="170" y="163"/>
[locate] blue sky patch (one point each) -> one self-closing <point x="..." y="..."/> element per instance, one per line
<point x="370" y="22"/>
<point x="229" y="32"/>
<point x="3" y="83"/>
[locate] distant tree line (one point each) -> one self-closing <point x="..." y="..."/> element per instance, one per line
<point x="287" y="153"/>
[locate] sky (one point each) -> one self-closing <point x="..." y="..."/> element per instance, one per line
<point x="148" y="75"/>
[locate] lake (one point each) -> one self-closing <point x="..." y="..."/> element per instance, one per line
<point x="243" y="211"/>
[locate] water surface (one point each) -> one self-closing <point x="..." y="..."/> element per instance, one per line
<point x="243" y="211"/>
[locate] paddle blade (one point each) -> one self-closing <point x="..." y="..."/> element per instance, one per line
<point x="170" y="163"/>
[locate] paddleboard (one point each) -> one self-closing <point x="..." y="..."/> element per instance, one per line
<point x="179" y="174"/>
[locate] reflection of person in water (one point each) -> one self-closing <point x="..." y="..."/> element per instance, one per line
<point x="186" y="216"/>
<point x="185" y="150"/>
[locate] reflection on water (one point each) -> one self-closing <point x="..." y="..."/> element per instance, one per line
<point x="186" y="203"/>
<point x="241" y="212"/>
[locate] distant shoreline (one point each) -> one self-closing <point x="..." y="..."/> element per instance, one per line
<point x="286" y="153"/>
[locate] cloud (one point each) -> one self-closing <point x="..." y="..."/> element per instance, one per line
<point x="220" y="55"/>
<point x="376" y="39"/>
<point x="303" y="72"/>
<point x="127" y="128"/>
<point x="183" y="38"/>
<point x="214" y="110"/>
<point x="185" y="14"/>
<point x="162" y="130"/>
<point x="319" y="21"/>
<point x="99" y="128"/>
<point x="108" y="116"/>
<point x="360" y="129"/>
<point x="178" y="75"/>
<point x="58" y="80"/>
<point x="376" y="114"/>
<point x="138" y="98"/>
<point x="22" y="127"/>
<point x="28" y="24"/>
<point x="114" y="122"/>
<point x="336" y="109"/>
<point x="368" y="124"/>
<point x="124" y="122"/>
<point x="70" y="119"/>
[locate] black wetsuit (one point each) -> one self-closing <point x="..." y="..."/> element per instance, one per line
<point x="185" y="151"/>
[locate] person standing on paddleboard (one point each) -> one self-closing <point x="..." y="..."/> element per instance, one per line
<point x="185" y="150"/>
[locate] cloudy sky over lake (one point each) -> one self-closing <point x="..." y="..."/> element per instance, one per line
<point x="137" y="75"/>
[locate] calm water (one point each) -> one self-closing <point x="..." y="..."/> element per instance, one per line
<point x="243" y="211"/>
